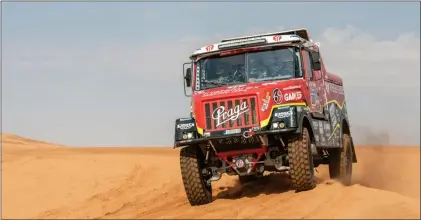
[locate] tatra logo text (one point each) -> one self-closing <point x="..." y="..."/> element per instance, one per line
<point x="221" y="115"/>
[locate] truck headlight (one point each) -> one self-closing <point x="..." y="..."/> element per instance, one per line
<point x="281" y="125"/>
<point x="275" y="125"/>
<point x="190" y="135"/>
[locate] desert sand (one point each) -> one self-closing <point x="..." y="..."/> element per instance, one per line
<point x="42" y="180"/>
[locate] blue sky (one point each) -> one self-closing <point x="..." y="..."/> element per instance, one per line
<point x="110" y="73"/>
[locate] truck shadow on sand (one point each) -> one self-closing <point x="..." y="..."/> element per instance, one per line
<point x="273" y="183"/>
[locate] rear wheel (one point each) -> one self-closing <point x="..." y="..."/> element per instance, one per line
<point x="340" y="162"/>
<point x="198" y="190"/>
<point x="301" y="162"/>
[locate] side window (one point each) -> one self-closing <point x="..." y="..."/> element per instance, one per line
<point x="308" y="64"/>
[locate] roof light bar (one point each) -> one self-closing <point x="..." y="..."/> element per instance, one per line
<point x="244" y="42"/>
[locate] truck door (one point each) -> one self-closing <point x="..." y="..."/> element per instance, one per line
<point x="314" y="81"/>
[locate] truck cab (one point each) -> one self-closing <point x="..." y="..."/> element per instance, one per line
<point x="254" y="99"/>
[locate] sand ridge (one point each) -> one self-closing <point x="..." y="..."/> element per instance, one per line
<point x="43" y="180"/>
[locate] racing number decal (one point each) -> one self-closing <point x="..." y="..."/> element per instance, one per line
<point x="277" y="96"/>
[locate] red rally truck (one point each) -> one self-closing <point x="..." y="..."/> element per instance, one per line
<point x="262" y="103"/>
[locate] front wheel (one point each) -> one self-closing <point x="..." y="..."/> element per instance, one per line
<point x="301" y="162"/>
<point x="198" y="190"/>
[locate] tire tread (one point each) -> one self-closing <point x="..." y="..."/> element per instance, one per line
<point x="299" y="160"/>
<point x="194" y="185"/>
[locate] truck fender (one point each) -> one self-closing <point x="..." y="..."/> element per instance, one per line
<point x="184" y="125"/>
<point x="305" y="117"/>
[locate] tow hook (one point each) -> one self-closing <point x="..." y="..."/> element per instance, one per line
<point x="248" y="134"/>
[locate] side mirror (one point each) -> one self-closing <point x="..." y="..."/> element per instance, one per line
<point x="315" y="59"/>
<point x="187" y="78"/>
<point x="317" y="75"/>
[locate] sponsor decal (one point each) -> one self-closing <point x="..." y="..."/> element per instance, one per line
<point x="292" y="87"/>
<point x="327" y="127"/>
<point x="313" y="91"/>
<point x="320" y="123"/>
<point x="270" y="83"/>
<point x="198" y="77"/>
<point x="225" y="91"/>
<point x="233" y="131"/>
<point x="321" y="129"/>
<point x="293" y="96"/>
<point x="313" y="95"/>
<point x="277" y="37"/>
<point x="185" y="126"/>
<point x="312" y="84"/>
<point x="332" y="113"/>
<point x="330" y="87"/>
<point x="185" y="119"/>
<point x="221" y="115"/>
<point x="265" y="102"/>
<point x="283" y="114"/>
<point x="236" y="86"/>
<point x="206" y="134"/>
<point x="250" y="40"/>
<point x="209" y="48"/>
<point x="277" y="96"/>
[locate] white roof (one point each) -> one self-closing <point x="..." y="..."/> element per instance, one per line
<point x="302" y="32"/>
<point x="298" y="35"/>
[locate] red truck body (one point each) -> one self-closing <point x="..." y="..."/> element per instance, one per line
<point x="251" y="112"/>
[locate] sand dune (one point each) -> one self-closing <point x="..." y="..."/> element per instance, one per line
<point x="42" y="180"/>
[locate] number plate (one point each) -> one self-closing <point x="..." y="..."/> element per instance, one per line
<point x="233" y="131"/>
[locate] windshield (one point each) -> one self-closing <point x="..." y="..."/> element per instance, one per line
<point x="275" y="64"/>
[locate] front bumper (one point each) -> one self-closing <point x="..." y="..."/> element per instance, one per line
<point x="204" y="139"/>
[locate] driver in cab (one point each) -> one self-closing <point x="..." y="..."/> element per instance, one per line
<point x="275" y="64"/>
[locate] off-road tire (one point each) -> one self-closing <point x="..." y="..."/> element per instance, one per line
<point x="340" y="162"/>
<point x="191" y="163"/>
<point x="301" y="162"/>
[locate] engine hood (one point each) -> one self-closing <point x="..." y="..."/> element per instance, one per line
<point x="223" y="104"/>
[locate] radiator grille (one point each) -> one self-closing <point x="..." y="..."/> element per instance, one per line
<point x="231" y="113"/>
